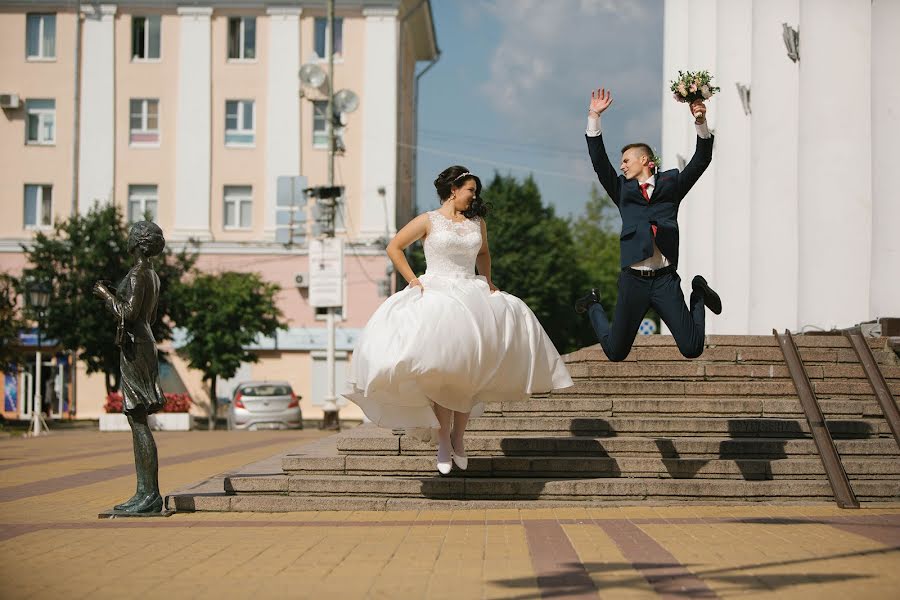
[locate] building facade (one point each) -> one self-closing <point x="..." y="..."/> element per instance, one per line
<point x="190" y="112"/>
<point x="795" y="222"/>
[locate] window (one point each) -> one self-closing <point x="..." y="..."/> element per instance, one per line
<point x="144" y="121"/>
<point x="321" y="25"/>
<point x="41" y="121"/>
<point x="40" y="36"/>
<point x="239" y="123"/>
<point x="242" y="38"/>
<point x="238" y="206"/>
<point x="320" y="124"/>
<point x="142" y="200"/>
<point x="38" y="206"/>
<point x="145" y="38"/>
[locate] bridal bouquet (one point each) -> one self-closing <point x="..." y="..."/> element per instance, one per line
<point x="690" y="86"/>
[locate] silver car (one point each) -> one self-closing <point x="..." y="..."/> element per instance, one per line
<point x="265" y="405"/>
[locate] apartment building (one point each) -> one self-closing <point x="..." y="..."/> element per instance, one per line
<point x="190" y="112"/>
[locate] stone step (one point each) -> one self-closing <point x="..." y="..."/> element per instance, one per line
<point x="559" y="489"/>
<point x="700" y="371"/>
<point x="676" y="447"/>
<point x="682" y="406"/>
<point x="769" y="355"/>
<point x="595" y="466"/>
<point x="749" y="341"/>
<point x="665" y="426"/>
<point x="743" y="389"/>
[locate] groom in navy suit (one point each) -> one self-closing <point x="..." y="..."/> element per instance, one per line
<point x="648" y="202"/>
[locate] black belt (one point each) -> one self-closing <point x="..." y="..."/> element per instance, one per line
<point x="649" y="273"/>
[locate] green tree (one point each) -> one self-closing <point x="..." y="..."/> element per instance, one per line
<point x="223" y="314"/>
<point x="534" y="257"/>
<point x="596" y="234"/>
<point x="10" y="323"/>
<point x="80" y="251"/>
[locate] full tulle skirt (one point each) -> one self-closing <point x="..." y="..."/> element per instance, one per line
<point x="455" y="344"/>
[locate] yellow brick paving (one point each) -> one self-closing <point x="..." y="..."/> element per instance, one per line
<point x="456" y="554"/>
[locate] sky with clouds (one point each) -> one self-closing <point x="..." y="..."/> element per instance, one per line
<point x="511" y="89"/>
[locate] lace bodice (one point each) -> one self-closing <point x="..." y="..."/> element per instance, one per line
<point x="451" y="247"/>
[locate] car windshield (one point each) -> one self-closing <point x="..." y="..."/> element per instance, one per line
<point x="266" y="390"/>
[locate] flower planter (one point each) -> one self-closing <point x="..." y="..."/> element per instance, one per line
<point x="157" y="422"/>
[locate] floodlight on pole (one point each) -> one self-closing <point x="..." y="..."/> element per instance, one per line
<point x="345" y="101"/>
<point x="312" y="76"/>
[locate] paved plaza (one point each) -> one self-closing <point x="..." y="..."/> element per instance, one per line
<point x="53" y="545"/>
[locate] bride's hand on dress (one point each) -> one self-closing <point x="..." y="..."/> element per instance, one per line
<point x="493" y="287"/>
<point x="416" y="283"/>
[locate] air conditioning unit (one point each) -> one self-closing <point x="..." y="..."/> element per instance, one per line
<point x="301" y="280"/>
<point x="9" y="101"/>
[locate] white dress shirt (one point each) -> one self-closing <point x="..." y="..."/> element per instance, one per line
<point x="658" y="259"/>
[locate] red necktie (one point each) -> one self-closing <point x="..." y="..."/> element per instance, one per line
<point x="644" y="187"/>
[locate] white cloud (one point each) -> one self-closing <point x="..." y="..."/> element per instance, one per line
<point x="550" y="54"/>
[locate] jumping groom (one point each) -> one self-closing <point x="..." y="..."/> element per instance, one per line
<point x="648" y="202"/>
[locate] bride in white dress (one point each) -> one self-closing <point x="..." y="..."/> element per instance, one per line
<point x="435" y="352"/>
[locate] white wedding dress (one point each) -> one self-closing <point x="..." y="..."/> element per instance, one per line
<point x="455" y="344"/>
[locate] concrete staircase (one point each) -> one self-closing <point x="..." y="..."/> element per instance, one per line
<point x="726" y="427"/>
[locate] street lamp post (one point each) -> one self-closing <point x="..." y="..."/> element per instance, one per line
<point x="339" y="103"/>
<point x="38" y="296"/>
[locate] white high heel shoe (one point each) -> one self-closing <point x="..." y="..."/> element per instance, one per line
<point x="444" y="467"/>
<point x="460" y="458"/>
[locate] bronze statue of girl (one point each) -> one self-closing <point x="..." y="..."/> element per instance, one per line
<point x="134" y="306"/>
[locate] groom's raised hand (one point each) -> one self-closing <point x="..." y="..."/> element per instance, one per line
<point x="600" y="101"/>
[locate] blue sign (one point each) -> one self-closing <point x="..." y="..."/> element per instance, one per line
<point x="30" y="338"/>
<point x="10" y="393"/>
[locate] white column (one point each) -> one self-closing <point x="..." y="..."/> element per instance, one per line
<point x="835" y="177"/>
<point x="885" y="288"/>
<point x="379" y="108"/>
<point x="675" y="120"/>
<point x="282" y="106"/>
<point x="773" y="163"/>
<point x="732" y="160"/>
<point x="193" y="146"/>
<point x="96" y="146"/>
<point x="698" y="207"/>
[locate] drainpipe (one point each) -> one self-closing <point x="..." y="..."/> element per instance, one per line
<point x="76" y="121"/>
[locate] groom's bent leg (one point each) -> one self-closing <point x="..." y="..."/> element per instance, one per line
<point x="631" y="306"/>
<point x="688" y="327"/>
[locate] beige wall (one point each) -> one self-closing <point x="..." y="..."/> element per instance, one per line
<point x="23" y="163"/>
<point x="141" y="165"/>
<point x="238" y="80"/>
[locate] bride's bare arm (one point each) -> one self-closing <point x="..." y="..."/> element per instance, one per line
<point x="483" y="260"/>
<point x="412" y="231"/>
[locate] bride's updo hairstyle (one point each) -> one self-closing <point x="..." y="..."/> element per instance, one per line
<point x="454" y="177"/>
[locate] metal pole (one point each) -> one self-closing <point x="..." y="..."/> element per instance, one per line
<point x="330" y="404"/>
<point x="38" y="399"/>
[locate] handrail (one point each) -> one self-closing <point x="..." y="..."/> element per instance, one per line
<point x="876" y="380"/>
<point x="831" y="460"/>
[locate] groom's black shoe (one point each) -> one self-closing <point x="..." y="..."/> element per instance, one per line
<point x="583" y="304"/>
<point x="710" y="298"/>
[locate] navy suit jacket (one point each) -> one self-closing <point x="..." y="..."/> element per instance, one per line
<point x="636" y="239"/>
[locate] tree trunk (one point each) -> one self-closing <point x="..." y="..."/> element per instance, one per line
<point x="213" y="403"/>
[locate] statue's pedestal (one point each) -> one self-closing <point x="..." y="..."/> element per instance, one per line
<point x="117" y="514"/>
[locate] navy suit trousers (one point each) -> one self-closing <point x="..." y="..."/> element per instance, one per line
<point x="636" y="295"/>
